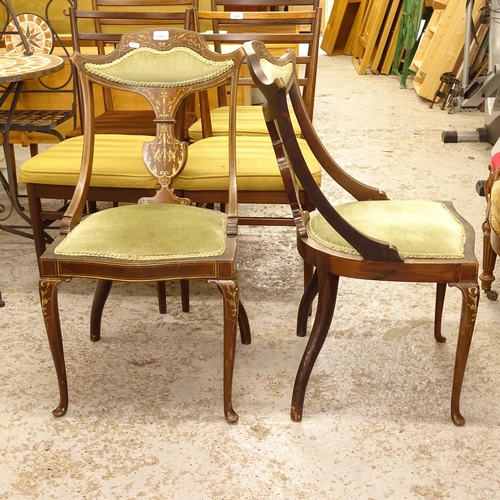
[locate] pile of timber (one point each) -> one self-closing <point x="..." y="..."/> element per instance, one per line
<point x="374" y="33"/>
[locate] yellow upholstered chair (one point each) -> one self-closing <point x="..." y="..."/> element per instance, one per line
<point x="244" y="20"/>
<point x="371" y="238"/>
<point x="491" y="228"/>
<point x="162" y="237"/>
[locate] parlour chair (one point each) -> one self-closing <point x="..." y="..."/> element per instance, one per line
<point x="491" y="228"/>
<point x="284" y="33"/>
<point x="100" y="30"/>
<point x="370" y="238"/>
<point x="162" y="237"/>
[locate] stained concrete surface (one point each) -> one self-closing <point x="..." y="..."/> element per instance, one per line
<point x="145" y="418"/>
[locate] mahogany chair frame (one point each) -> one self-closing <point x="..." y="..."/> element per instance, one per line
<point x="376" y="260"/>
<point x="57" y="267"/>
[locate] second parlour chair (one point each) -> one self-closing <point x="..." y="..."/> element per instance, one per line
<point x="162" y="237"/>
<point x="372" y="238"/>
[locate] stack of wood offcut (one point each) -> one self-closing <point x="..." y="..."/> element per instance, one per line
<point x="365" y="29"/>
<point x="373" y="32"/>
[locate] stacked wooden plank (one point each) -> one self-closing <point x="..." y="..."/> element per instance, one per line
<point x="441" y="48"/>
<point x="365" y="29"/>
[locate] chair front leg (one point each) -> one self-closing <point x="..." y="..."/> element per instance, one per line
<point x="470" y="300"/>
<point x="230" y="295"/>
<point x="328" y="286"/>
<point x="50" y="309"/>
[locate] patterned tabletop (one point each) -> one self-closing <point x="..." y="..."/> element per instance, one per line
<point x="14" y="66"/>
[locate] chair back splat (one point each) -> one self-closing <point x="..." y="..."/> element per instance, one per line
<point x="370" y="238"/>
<point x="162" y="237"/>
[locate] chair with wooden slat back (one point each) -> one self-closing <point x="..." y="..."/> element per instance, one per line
<point x="371" y="238"/>
<point x="102" y="28"/>
<point x="250" y="121"/>
<point x="162" y="237"/>
<point x="259" y="180"/>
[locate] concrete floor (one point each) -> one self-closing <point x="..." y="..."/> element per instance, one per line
<point x="145" y="417"/>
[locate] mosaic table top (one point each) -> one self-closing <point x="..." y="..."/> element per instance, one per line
<point x="15" y="66"/>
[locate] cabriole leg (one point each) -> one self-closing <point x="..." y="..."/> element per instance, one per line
<point x="470" y="300"/>
<point x="328" y="286"/>
<point x="50" y="310"/>
<point x="230" y="295"/>
<point x="305" y="305"/>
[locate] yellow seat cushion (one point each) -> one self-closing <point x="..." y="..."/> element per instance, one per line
<point x="148" y="232"/>
<point x="249" y="121"/>
<point x="418" y="229"/>
<point x="117" y="163"/>
<point x="495" y="207"/>
<point x="207" y="167"/>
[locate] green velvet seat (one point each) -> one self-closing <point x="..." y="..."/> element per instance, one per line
<point x="148" y="232"/>
<point x="418" y="229"/>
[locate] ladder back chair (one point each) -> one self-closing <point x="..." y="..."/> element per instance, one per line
<point x="225" y="26"/>
<point x="259" y="181"/>
<point x="371" y="238"/>
<point x="101" y="28"/>
<point x="162" y="237"/>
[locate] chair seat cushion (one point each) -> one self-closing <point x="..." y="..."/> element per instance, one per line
<point x="207" y="167"/>
<point x="495" y="207"/>
<point x="249" y="121"/>
<point x="148" y="232"/>
<point x="418" y="229"/>
<point x="117" y="163"/>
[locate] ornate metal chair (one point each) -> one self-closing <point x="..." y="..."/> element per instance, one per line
<point x="372" y="238"/>
<point x="163" y="237"/>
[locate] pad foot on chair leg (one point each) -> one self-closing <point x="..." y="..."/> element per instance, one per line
<point x="60" y="411"/>
<point x="231" y="416"/>
<point x="295" y="414"/>
<point x="457" y="418"/>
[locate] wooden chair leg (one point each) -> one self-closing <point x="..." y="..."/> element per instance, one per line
<point x="185" y="295"/>
<point x="489" y="258"/>
<point x="50" y="309"/>
<point x="438" y="314"/>
<point x="229" y="290"/>
<point x="305" y="305"/>
<point x="37" y="227"/>
<point x="162" y="297"/>
<point x="100" y="297"/>
<point x="244" y="325"/>
<point x="328" y="287"/>
<point x="470" y="300"/>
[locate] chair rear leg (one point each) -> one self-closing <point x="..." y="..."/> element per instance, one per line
<point x="470" y="300"/>
<point x="185" y="295"/>
<point x="162" y="297"/>
<point x="244" y="325"/>
<point x="100" y="297"/>
<point x="50" y="309"/>
<point x="328" y="287"/>
<point x="438" y="314"/>
<point x="305" y="305"/>
<point x="230" y="295"/>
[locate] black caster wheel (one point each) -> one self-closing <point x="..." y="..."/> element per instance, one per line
<point x="492" y="295"/>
